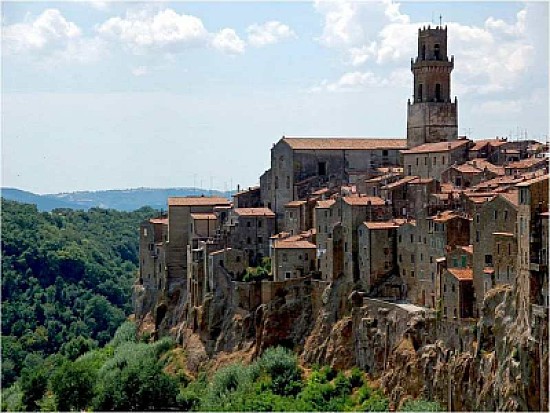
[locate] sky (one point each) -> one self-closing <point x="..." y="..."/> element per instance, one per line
<point x="115" y="95"/>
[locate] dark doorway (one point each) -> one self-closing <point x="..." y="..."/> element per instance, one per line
<point x="321" y="168"/>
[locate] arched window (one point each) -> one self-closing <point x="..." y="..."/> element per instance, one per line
<point x="438" y="92"/>
<point x="436" y="51"/>
<point x="420" y="92"/>
<point x="423" y="52"/>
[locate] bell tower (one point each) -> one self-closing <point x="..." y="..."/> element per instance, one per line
<point x="432" y="116"/>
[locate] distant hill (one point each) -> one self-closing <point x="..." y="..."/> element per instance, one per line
<point x="119" y="199"/>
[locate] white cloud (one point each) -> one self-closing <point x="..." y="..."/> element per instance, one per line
<point x="493" y="57"/>
<point x="100" y="5"/>
<point x="341" y="26"/>
<point x="268" y="33"/>
<point x="140" y="71"/>
<point x="49" y="30"/>
<point x="50" y="39"/>
<point x="228" y="41"/>
<point x="166" y="30"/>
<point x="351" y="81"/>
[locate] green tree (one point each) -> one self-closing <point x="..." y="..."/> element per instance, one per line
<point x="73" y="385"/>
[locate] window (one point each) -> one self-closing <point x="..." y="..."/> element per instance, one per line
<point x="423" y="52"/>
<point x="285" y="257"/>
<point x="276" y="182"/>
<point x="400" y="258"/>
<point x="455" y="262"/>
<point x="477" y="218"/>
<point x="421" y="257"/>
<point x="420" y="92"/>
<point x="477" y="236"/>
<point x="436" y="51"/>
<point x="288" y="182"/>
<point x="345" y="246"/>
<point x="454" y="312"/>
<point x="444" y="288"/>
<point x="409" y="169"/>
<point x="495" y="214"/>
<point x="384" y="152"/>
<point x="443" y="159"/>
<point x="307" y="256"/>
<point x="238" y="259"/>
<point x="321" y="168"/>
<point x="412" y="238"/>
<point x="509" y="248"/>
<point x="412" y="274"/>
<point x="260" y="240"/>
<point x="288" y="274"/>
<point x="248" y="240"/>
<point x="435" y="161"/>
<point x="248" y="224"/>
<point x="426" y="160"/>
<point x="438" y="92"/>
<point x="144" y="232"/>
<point x="412" y="258"/>
<point x="260" y="223"/>
<point x="400" y="239"/>
<point x="506" y="215"/>
<point x="221" y="263"/>
<point x="489" y="260"/>
<point x="453" y="288"/>
<point x="417" y="160"/>
<point x="431" y="259"/>
<point x="445" y="311"/>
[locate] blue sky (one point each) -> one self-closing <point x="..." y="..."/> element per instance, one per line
<point x="100" y="95"/>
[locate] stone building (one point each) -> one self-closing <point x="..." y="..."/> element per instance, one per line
<point x="525" y="166"/>
<point x="301" y="165"/>
<point x="409" y="196"/>
<point x="432" y="159"/>
<point x="250" y="230"/>
<point x="378" y="270"/>
<point x="532" y="268"/>
<point x="180" y="229"/>
<point x="292" y="258"/>
<point x="432" y="116"/>
<point x="326" y="216"/>
<point x="457" y="293"/>
<point x="496" y="216"/>
<point x="407" y="251"/>
<point x="152" y="260"/>
<point x="355" y="210"/>
<point x="248" y="198"/>
<point x="299" y="216"/>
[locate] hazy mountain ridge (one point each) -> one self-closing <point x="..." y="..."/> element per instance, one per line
<point x="120" y="199"/>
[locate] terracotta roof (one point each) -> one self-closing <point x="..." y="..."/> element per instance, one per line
<point x="467" y="169"/>
<point x="545" y="214"/>
<point x="484" y="163"/>
<point x="159" y="221"/>
<point x="284" y="244"/>
<point x="534" y="180"/>
<point x="328" y="143"/>
<point x="462" y="274"/>
<point x="479" y="144"/>
<point x="436" y="147"/>
<point x="363" y="200"/>
<point x="400" y="182"/>
<point x="325" y="204"/>
<point x="445" y="216"/>
<point x="197" y="201"/>
<point x="254" y="212"/>
<point x="468" y="248"/>
<point x="526" y="163"/>
<point x="320" y="191"/>
<point x="382" y="225"/>
<point x="246" y="191"/>
<point x="280" y="235"/>
<point x="294" y="204"/>
<point x="200" y="216"/>
<point x="512" y="197"/>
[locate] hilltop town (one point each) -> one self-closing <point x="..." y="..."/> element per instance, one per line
<point x="422" y="260"/>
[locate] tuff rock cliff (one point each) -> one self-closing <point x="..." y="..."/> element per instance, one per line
<point x="502" y="365"/>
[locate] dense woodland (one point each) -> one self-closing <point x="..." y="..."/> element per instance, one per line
<point x="66" y="280"/>
<point x="66" y="291"/>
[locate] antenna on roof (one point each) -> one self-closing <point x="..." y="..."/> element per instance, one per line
<point x="440" y="17"/>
